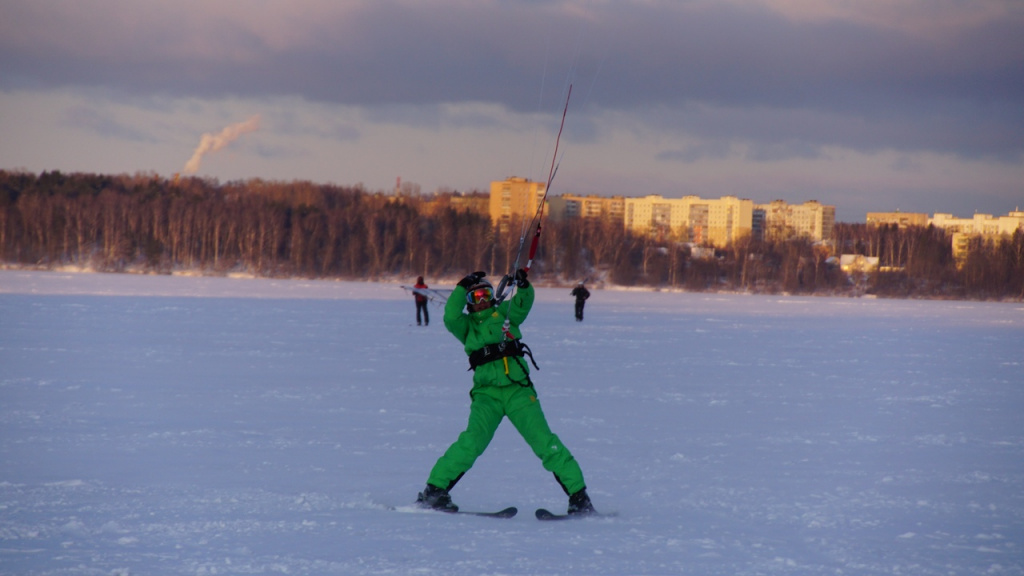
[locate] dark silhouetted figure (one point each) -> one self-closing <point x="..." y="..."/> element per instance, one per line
<point x="581" y="294"/>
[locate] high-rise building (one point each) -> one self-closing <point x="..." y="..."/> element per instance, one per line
<point x="514" y="199"/>
<point x="690" y="218"/>
<point x="963" y="230"/>
<point x="573" y="206"/>
<point x="984" y="224"/>
<point x="813" y="220"/>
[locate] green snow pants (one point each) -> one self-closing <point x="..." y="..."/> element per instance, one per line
<point x="491" y="404"/>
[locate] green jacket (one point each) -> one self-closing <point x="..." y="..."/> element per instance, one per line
<point x="481" y="328"/>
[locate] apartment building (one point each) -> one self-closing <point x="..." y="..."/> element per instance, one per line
<point x="690" y="218"/>
<point x="901" y="219"/>
<point x="715" y="222"/>
<point x="573" y="206"/>
<point x="515" y="198"/>
<point x="984" y="224"/>
<point x="963" y="230"/>
<point x="812" y="220"/>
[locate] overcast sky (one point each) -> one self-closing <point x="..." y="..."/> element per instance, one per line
<point x="870" y="105"/>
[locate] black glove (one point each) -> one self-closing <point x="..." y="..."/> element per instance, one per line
<point x="472" y="279"/>
<point x="521" y="280"/>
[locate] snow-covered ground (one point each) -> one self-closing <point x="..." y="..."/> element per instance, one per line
<point x="168" y="425"/>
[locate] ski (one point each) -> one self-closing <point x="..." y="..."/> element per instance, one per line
<point x="509" y="512"/>
<point x="543" y="514"/>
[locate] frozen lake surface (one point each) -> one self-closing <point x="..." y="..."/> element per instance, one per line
<point x="170" y="425"/>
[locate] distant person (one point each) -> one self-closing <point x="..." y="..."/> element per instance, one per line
<point x="421" y="303"/>
<point x="581" y="294"/>
<point x="501" y="389"/>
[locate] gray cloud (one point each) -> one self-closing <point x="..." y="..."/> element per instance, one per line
<point x="958" y="93"/>
<point x="935" y="76"/>
<point x="708" y="149"/>
<point x="101" y="123"/>
<point x="396" y="52"/>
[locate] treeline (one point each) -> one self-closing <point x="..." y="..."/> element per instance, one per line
<point x="918" y="261"/>
<point x="301" y="229"/>
<point x="274" y="229"/>
<point x="914" y="262"/>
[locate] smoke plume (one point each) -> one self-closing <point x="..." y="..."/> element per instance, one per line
<point x="213" y="142"/>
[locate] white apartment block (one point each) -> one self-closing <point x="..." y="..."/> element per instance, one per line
<point x="574" y="206"/>
<point x="812" y="220"/>
<point x="962" y="230"/>
<point x="690" y="218"/>
<point x="984" y="224"/>
<point x="715" y="222"/>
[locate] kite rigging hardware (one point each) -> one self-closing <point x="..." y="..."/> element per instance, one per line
<point x="507" y="284"/>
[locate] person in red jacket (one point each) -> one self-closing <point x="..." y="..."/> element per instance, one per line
<point x="421" y="303"/>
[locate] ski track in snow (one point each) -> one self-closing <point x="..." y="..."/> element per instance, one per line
<point x="168" y="425"/>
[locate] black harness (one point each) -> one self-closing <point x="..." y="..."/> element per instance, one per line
<point x="512" y="349"/>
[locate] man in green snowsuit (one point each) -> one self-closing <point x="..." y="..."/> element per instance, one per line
<point x="501" y="387"/>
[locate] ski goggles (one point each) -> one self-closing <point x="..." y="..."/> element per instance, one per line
<point x="481" y="294"/>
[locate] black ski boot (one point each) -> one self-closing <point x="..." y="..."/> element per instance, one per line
<point x="436" y="499"/>
<point x="579" y="504"/>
